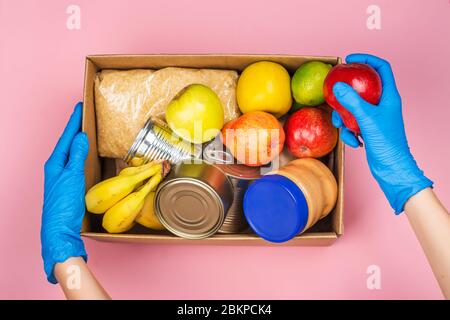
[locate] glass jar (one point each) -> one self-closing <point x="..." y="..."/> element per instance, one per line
<point x="288" y="201"/>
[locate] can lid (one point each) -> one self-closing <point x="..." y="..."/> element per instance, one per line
<point x="138" y="140"/>
<point x="275" y="208"/>
<point x="189" y="208"/>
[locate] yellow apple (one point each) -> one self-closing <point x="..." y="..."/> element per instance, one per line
<point x="264" y="86"/>
<point x="195" y="114"/>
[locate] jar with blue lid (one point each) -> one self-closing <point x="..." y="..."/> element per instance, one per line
<point x="288" y="201"/>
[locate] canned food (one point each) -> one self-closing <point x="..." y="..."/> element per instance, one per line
<point x="156" y="141"/>
<point x="288" y="201"/>
<point x="241" y="176"/>
<point x="194" y="200"/>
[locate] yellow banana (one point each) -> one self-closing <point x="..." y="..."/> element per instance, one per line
<point x="130" y="226"/>
<point x="129" y="171"/>
<point x="121" y="216"/>
<point x="105" y="194"/>
<point x="137" y="161"/>
<point x="147" y="216"/>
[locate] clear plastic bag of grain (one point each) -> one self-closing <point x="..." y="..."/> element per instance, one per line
<point x="125" y="99"/>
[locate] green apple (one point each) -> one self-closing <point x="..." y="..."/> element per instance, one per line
<point x="195" y="114"/>
<point x="307" y="83"/>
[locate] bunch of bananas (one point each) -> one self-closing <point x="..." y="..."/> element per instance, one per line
<point x="128" y="197"/>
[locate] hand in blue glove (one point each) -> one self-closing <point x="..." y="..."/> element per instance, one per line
<point x="383" y="132"/>
<point x="64" y="190"/>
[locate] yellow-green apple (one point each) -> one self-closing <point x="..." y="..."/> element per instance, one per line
<point x="195" y="114"/>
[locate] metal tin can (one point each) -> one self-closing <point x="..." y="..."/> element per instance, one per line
<point x="241" y="177"/>
<point x="194" y="199"/>
<point x="156" y="141"/>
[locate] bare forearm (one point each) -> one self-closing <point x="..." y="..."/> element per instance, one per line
<point x="431" y="224"/>
<point x="78" y="282"/>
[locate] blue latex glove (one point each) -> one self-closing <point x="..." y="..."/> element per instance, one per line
<point x="64" y="190"/>
<point x="383" y="132"/>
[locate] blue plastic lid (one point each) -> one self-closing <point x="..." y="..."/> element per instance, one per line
<point x="275" y="208"/>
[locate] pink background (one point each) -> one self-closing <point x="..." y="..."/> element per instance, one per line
<point x="42" y="65"/>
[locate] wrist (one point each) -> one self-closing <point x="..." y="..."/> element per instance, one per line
<point x="59" y="251"/>
<point x="60" y="269"/>
<point x="400" y="182"/>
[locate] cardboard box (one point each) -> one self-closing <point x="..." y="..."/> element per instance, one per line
<point x="325" y="232"/>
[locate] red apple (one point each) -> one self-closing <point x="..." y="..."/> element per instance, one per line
<point x="310" y="133"/>
<point x="361" y="77"/>
<point x="255" y="138"/>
